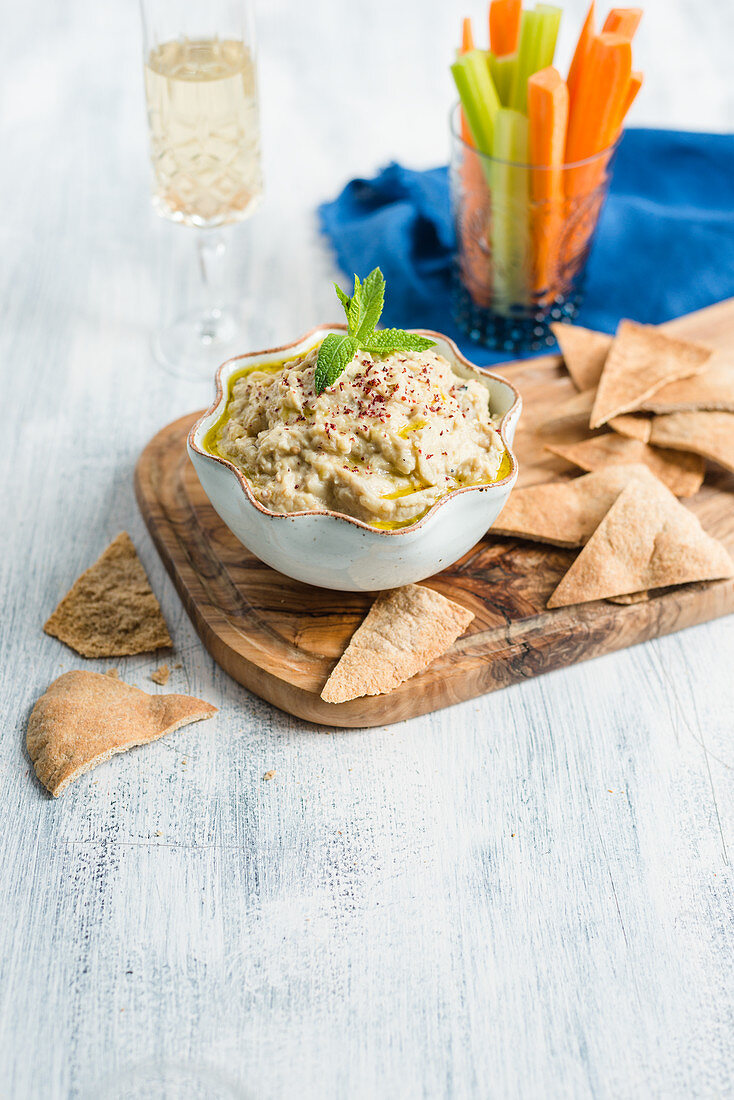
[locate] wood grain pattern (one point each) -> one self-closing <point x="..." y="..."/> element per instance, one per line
<point x="280" y="638"/>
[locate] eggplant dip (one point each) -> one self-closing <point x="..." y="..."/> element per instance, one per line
<point x="372" y="424"/>
<point x="389" y="437"/>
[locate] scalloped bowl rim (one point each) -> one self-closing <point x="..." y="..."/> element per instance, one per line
<point x="310" y="335"/>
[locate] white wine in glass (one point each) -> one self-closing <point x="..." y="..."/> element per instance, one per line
<point x="201" y="92"/>
<point x="204" y="131"/>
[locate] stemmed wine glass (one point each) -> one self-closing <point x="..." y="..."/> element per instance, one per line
<point x="201" y="92"/>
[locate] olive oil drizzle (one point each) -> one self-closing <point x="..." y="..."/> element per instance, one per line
<point x="411" y="426"/>
<point x="211" y="438"/>
<point x="503" y="471"/>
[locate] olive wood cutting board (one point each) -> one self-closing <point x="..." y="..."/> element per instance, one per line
<point x="281" y="638"/>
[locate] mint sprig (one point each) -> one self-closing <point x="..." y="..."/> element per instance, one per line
<point x="388" y="340"/>
<point x="363" y="311"/>
<point x="335" y="354"/>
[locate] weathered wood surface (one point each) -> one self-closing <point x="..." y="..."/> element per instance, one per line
<point x="280" y="638"/>
<point x="528" y="895"/>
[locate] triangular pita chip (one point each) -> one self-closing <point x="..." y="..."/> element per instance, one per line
<point x="565" y="513"/>
<point x="83" y="718"/>
<point x="403" y="632"/>
<point x="712" y="389"/>
<point x="646" y="540"/>
<point x="583" y="351"/>
<point x="630" y="598"/>
<point x="632" y="425"/>
<point x="682" y="473"/>
<point x="640" y="361"/>
<point x="110" y="611"/>
<point x="574" y="412"/>
<point x="710" y="434"/>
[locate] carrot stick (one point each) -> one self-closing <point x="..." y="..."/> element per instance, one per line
<point x="600" y="93"/>
<point x="624" y="21"/>
<point x="592" y="127"/>
<point x="548" y="114"/>
<point x="504" y="26"/>
<point x="471" y="227"/>
<point x="548" y="117"/>
<point x="467" y="35"/>
<point x="467" y="44"/>
<point x="635" y="83"/>
<point x="580" y="55"/>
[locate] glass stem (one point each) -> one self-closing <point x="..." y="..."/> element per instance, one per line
<point x="211" y="248"/>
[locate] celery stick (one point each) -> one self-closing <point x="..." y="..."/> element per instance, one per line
<point x="478" y="96"/>
<point x="510" y="210"/>
<point x="550" y="21"/>
<point x="518" y="98"/>
<point x="503" y="71"/>
<point x="538" y="34"/>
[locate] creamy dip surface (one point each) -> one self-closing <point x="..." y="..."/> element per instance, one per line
<point x="382" y="444"/>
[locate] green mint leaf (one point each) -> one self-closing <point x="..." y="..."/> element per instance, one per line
<point x="372" y="302"/>
<point x="335" y="353"/>
<point x="354" y="313"/>
<point x="396" y="339"/>
<point x="344" y="298"/>
<point x="363" y="311"/>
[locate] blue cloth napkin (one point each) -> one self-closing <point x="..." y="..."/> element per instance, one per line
<point x="665" y="243"/>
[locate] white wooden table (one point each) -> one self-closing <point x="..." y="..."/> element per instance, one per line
<point x="525" y="896"/>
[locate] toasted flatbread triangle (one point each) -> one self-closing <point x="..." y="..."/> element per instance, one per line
<point x="640" y="361"/>
<point x="574" y="412"/>
<point x="83" y="718"/>
<point x="682" y="473"/>
<point x="632" y="425"/>
<point x="710" y="434"/>
<point x="403" y="632"/>
<point x="712" y="389"/>
<point x="630" y="598"/>
<point x="647" y="539"/>
<point x="565" y="513"/>
<point x="584" y="352"/>
<point x="110" y="611"/>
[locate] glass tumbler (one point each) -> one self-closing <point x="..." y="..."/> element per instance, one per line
<point x="523" y="238"/>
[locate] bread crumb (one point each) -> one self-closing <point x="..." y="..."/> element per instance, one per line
<point x="113" y="672"/>
<point x="160" y="675"/>
<point x="270" y="774"/>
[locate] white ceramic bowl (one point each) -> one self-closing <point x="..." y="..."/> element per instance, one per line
<point x="332" y="550"/>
